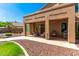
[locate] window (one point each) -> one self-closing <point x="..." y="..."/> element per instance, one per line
<point x="42" y="28"/>
<point x="77" y="26"/>
<point x="76" y="7"/>
<point x="63" y="27"/>
<point x="27" y="27"/>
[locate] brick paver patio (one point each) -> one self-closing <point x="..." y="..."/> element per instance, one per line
<point x="34" y="48"/>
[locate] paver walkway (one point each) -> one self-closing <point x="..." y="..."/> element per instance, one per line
<point x="35" y="48"/>
<point x="42" y="40"/>
<point x="40" y="46"/>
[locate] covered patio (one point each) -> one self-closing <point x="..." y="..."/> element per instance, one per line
<point x="57" y="22"/>
<point x="38" y="29"/>
<point x="58" y="29"/>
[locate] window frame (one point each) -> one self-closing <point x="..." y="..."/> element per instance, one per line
<point x="77" y="26"/>
<point x="61" y="26"/>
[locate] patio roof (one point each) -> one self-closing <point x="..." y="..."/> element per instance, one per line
<point x="49" y="7"/>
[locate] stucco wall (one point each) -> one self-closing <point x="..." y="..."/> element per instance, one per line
<point x="57" y="25"/>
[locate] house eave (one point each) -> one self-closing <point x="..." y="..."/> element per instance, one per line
<point x="47" y="9"/>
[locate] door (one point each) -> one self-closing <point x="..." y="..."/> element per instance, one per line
<point x="42" y="28"/>
<point x="64" y="30"/>
<point x="63" y="27"/>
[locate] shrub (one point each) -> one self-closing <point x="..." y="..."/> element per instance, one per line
<point x="1" y="37"/>
<point x="8" y="34"/>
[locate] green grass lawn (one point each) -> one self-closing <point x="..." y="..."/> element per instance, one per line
<point x="10" y="49"/>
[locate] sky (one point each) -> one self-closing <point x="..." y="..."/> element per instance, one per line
<point x="15" y="11"/>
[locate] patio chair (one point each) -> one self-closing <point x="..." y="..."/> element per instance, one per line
<point x="65" y="34"/>
<point x="36" y="34"/>
<point x="43" y="34"/>
<point x="54" y="34"/>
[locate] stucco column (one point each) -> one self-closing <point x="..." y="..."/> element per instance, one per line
<point x="32" y="28"/>
<point x="47" y="27"/>
<point x="71" y="25"/>
<point x="24" y="26"/>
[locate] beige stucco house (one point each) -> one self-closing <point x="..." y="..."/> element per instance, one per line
<point x="59" y="19"/>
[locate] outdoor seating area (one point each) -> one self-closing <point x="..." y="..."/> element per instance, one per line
<point x="59" y="21"/>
